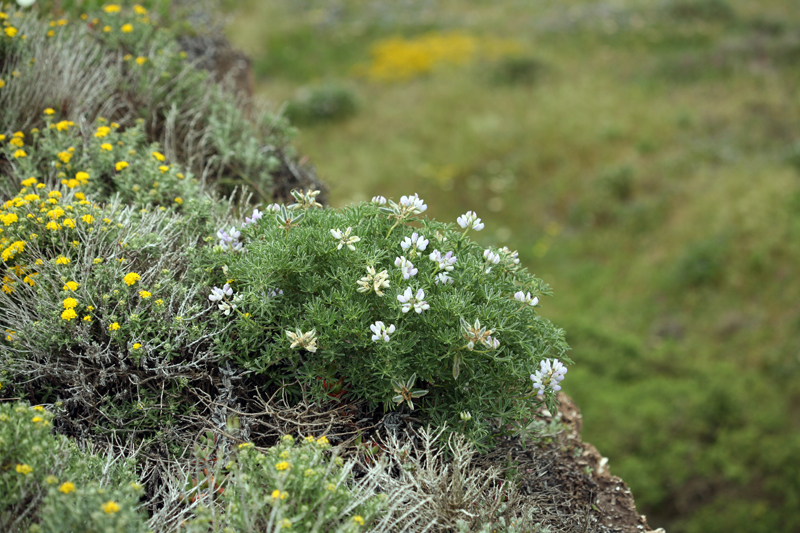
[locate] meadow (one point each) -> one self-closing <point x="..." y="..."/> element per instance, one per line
<point x="643" y="157"/>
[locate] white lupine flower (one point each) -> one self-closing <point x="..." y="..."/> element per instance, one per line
<point x="550" y="374"/>
<point x="374" y="281"/>
<point x="307" y="340"/>
<point x="416" y="301"/>
<point x="406" y="267"/>
<point x="345" y="239"/>
<point x="491" y="257"/>
<point x="381" y="332"/>
<point x="379" y="200"/>
<point x="491" y="342"/>
<point x="443" y="278"/>
<point x="273" y="208"/>
<point x="254" y="218"/>
<point x="470" y="220"/>
<point x="526" y="298"/>
<point x="445" y="262"/>
<point x="25" y="3"/>
<point x="415" y="243"/>
<point x="218" y="294"/>
<point x="414" y="204"/>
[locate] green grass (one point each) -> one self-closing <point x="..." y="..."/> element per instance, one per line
<point x="644" y="175"/>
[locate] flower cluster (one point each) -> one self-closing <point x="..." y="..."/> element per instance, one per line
<point x="551" y="372"/>
<point x="230" y="241"/>
<point x="409" y="300"/>
<point x="381" y="331"/>
<point x="374" y="281"/>
<point x="221" y="296"/>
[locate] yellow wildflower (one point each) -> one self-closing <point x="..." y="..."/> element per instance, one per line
<point x="145" y="295"/>
<point x="159" y="156"/>
<point x="49" y="111"/>
<point x="69" y="222"/>
<point x="15" y="248"/>
<point x="107" y="147"/>
<point x="82" y="177"/>
<point x="159" y="302"/>
<point x="87" y="318"/>
<point x="11" y="31"/>
<point x="136" y="346"/>
<point x="110" y="507"/>
<point x="54" y="194"/>
<point x="139" y="10"/>
<point x="283" y="465"/>
<point x="20" y="153"/>
<point x="141" y="60"/>
<point x="114" y="327"/>
<point x="111" y="8"/>
<point x="70" y="303"/>
<point x="358" y="519"/>
<point x="51" y="480"/>
<point x="2" y="84"/>
<point x="106" y="29"/>
<point x="69" y="314"/>
<point x="30" y="182"/>
<point x="37" y="419"/>
<point x="71" y="286"/>
<point x="179" y="176"/>
<point x="65" y="156"/>
<point x="87" y="219"/>
<point x="61" y="260"/>
<point x="127" y="28"/>
<point x="102" y="131"/>
<point x="131" y="278"/>
<point x="64" y="125"/>
<point x="97" y="260"/>
<point x="16" y="141"/>
<point x="121" y="165"/>
<point x="53" y="226"/>
<point x="163" y="168"/>
<point x="24" y="469"/>
<point x="9" y="218"/>
<point x="67" y="487"/>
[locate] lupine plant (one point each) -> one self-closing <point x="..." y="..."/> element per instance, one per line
<point x="379" y="298"/>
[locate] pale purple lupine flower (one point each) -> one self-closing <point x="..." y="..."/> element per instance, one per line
<point x="526" y="298"/>
<point x="273" y="208"/>
<point x="381" y="331"/>
<point x="470" y="220"/>
<point x="272" y="293"/>
<point x="550" y="374"/>
<point x="406" y="267"/>
<point x="414" y="243"/>
<point x="413" y="204"/>
<point x="416" y="301"/>
<point x="379" y="200"/>
<point x="445" y="262"/>
<point x="221" y="295"/>
<point x="230" y="241"/>
<point x="257" y="215"/>
<point x="443" y="278"/>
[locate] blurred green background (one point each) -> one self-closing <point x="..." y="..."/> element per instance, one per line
<point x="642" y="156"/>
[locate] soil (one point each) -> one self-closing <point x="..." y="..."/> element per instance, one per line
<point x="572" y="476"/>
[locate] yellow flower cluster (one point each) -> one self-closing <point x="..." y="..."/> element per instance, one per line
<point x="400" y="59"/>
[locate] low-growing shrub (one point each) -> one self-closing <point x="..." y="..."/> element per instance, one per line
<point x="50" y="485"/>
<point x="327" y="103"/>
<point x="400" y="314"/>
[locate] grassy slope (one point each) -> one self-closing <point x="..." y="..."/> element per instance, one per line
<point x="644" y="177"/>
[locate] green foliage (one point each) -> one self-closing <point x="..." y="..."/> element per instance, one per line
<point x="702" y="263"/>
<point x="326" y="265"/>
<point x="299" y="486"/>
<point x="518" y="69"/>
<point x="326" y="103"/>
<point x="48" y="484"/>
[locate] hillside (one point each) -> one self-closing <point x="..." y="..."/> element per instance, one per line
<point x="642" y="157"/>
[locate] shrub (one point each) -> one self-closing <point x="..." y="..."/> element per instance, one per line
<point x="362" y="297"/>
<point x="48" y="484"/>
<point x="517" y="69"/>
<point x="298" y="486"/>
<point x="327" y="103"/>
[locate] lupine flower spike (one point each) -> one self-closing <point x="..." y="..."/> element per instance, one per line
<point x="526" y="299"/>
<point x="406" y="267"/>
<point x="381" y="331"/>
<point x="470" y="220"/>
<point x="307" y="340"/>
<point x="415" y="301"/>
<point x="374" y="281"/>
<point x="550" y="374"/>
<point x="345" y="239"/>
